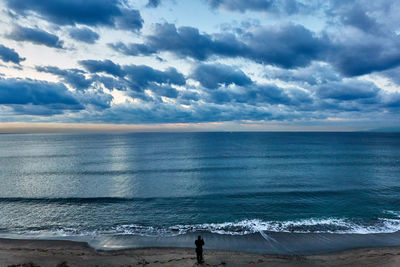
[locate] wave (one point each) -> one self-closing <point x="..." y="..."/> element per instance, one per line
<point x="244" y="227"/>
<point x="329" y="225"/>
<point x="282" y="194"/>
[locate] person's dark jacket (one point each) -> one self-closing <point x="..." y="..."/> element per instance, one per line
<point x="199" y="244"/>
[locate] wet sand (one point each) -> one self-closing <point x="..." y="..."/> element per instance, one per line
<point x="67" y="253"/>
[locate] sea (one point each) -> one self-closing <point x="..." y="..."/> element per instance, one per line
<point x="266" y="192"/>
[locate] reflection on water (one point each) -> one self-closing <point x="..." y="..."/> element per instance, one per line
<point x="105" y="182"/>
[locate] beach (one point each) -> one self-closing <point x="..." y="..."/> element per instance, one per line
<point x="67" y="253"/>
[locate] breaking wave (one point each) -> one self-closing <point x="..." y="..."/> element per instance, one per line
<point x="244" y="227"/>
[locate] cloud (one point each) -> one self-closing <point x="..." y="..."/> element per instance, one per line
<point x="138" y="76"/>
<point x="130" y="19"/>
<point x="111" y="83"/>
<point x="252" y="69"/>
<point x="153" y="3"/>
<point x="42" y="98"/>
<point x="165" y="90"/>
<point x="357" y="17"/>
<point x="84" y="35"/>
<point x="94" y="99"/>
<point x="9" y="55"/>
<point x="365" y="37"/>
<point x="106" y="66"/>
<point x="314" y="74"/>
<point x="213" y="76"/>
<point x="164" y="112"/>
<point x="133" y="49"/>
<point x="188" y="96"/>
<point x="270" y="6"/>
<point x="36" y="36"/>
<point x="73" y="77"/>
<point x="25" y="94"/>
<point x="185" y="42"/>
<point x="347" y="91"/>
<point x="287" y="46"/>
<point x="253" y="95"/>
<point x="366" y="55"/>
<point x="73" y="12"/>
<point x="142" y="75"/>
<point x="393" y="102"/>
<point x="392" y="74"/>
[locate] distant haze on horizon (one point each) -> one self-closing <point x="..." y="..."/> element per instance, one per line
<point x="201" y="65"/>
<point x="200" y="127"/>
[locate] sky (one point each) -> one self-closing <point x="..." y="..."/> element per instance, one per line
<point x="218" y="65"/>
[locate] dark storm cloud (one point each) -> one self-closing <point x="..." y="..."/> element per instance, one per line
<point x="288" y="46"/>
<point x="9" y="55"/>
<point x="72" y="12"/>
<point x="73" y="77"/>
<point x="25" y="93"/>
<point x="84" y="35"/>
<point x="36" y="36"/>
<point x="139" y="76"/>
<point x="213" y="76"/>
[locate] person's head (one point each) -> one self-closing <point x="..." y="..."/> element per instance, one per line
<point x="199" y="237"/>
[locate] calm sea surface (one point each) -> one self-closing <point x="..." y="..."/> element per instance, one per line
<point x="162" y="184"/>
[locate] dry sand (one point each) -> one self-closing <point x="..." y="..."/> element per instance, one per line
<point x="65" y="253"/>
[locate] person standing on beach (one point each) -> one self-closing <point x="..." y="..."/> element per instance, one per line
<point x="199" y="249"/>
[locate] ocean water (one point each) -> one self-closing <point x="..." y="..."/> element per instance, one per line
<point x="172" y="184"/>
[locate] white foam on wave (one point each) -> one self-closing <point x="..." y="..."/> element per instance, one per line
<point x="328" y="225"/>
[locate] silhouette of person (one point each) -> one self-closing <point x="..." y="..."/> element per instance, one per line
<point x="199" y="249"/>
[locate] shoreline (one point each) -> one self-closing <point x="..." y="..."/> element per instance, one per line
<point x="281" y="243"/>
<point x="72" y="253"/>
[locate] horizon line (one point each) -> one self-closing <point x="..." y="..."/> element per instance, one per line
<point x="45" y="127"/>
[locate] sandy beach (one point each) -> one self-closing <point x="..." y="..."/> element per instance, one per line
<point x="68" y="253"/>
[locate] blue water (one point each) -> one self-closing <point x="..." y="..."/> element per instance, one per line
<point x="164" y="184"/>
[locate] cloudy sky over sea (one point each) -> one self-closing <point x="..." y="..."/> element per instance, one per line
<point x="201" y="64"/>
